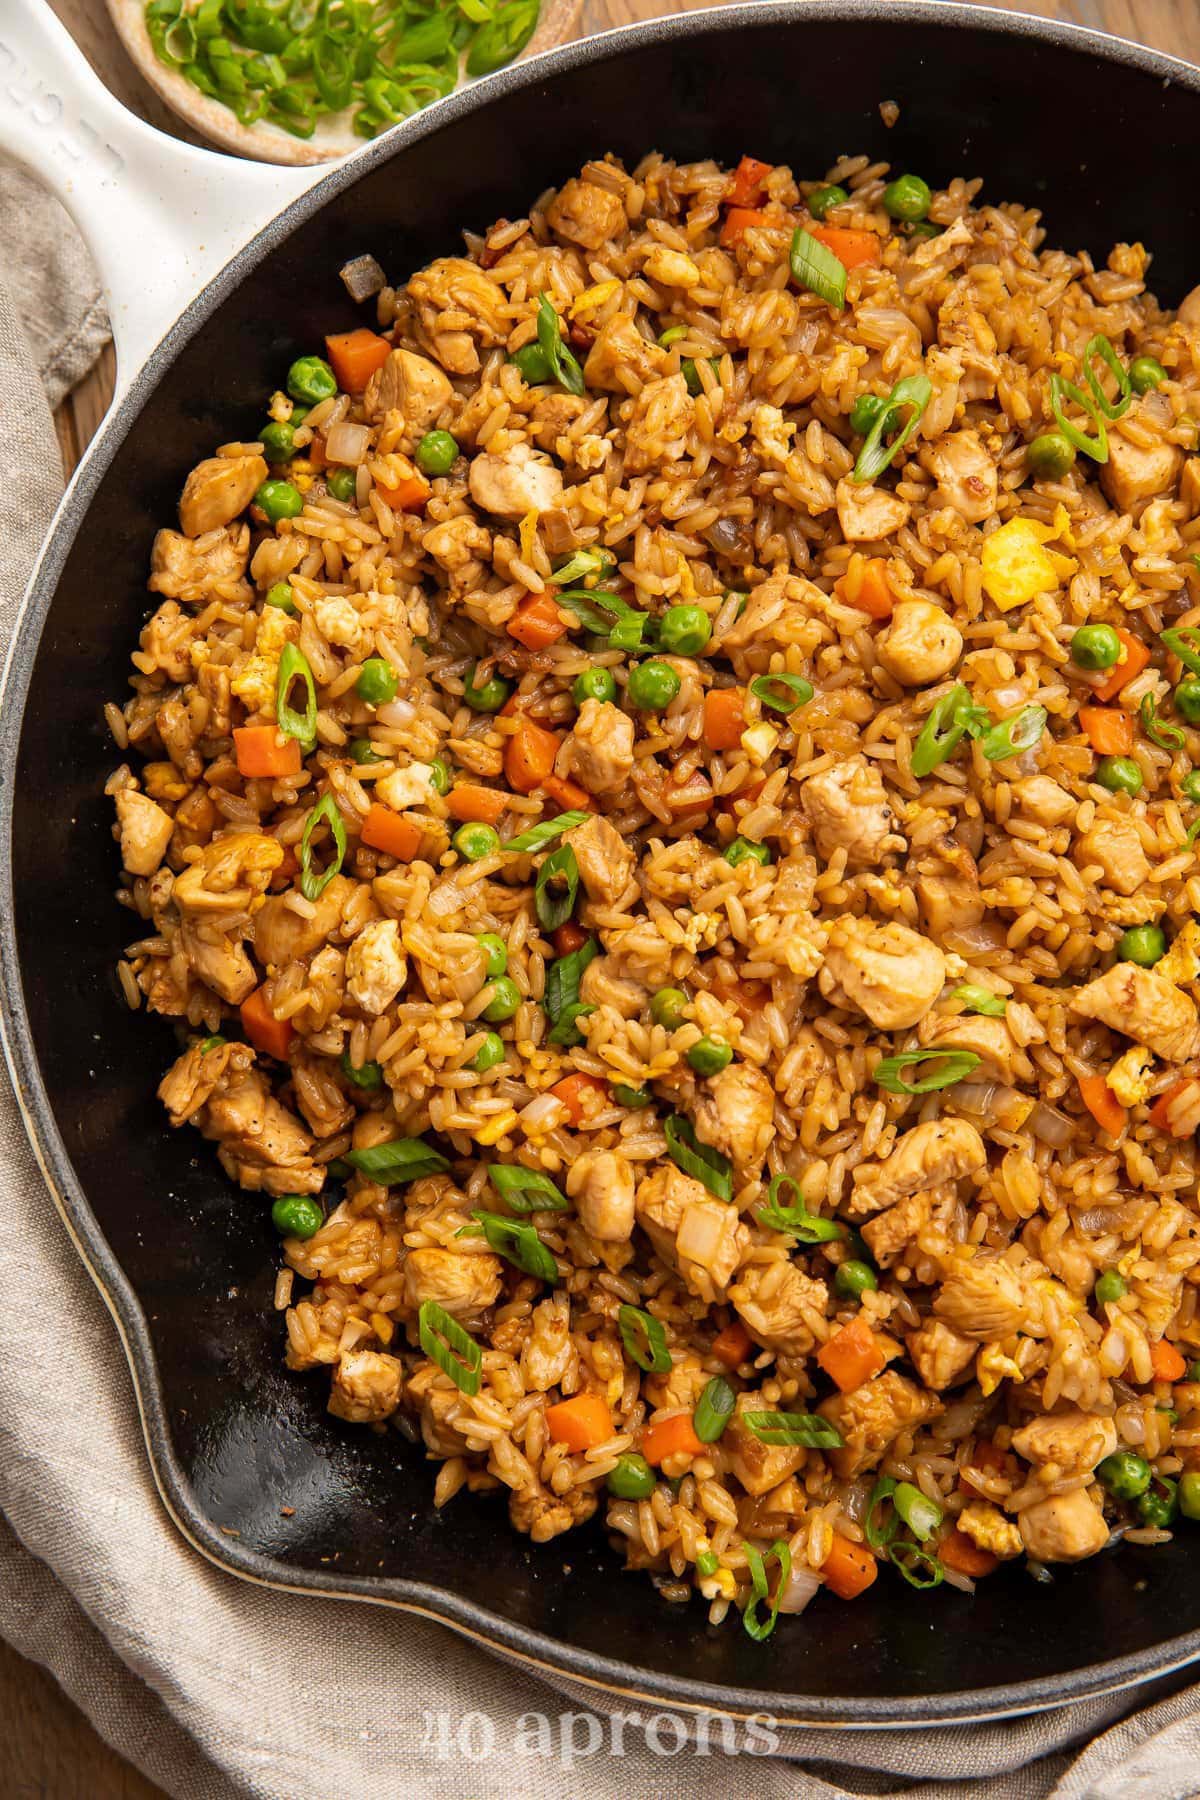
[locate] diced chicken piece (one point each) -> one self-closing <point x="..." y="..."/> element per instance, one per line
<point x="1065" y="1528"/>
<point x="1043" y="801"/>
<point x="941" y="1356"/>
<point x="547" y="1352"/>
<point x="260" y="1143"/>
<point x="782" y="611"/>
<point x="1000" y="1056"/>
<point x="229" y="873"/>
<point x="670" y="268"/>
<point x="987" y="1526"/>
<point x="181" y="569"/>
<point x="947" y="884"/>
<point x="366" y="1386"/>
<point x="984" y="1296"/>
<point x="1139" y="1003"/>
<point x="602" y="1187"/>
<point x="282" y="936"/>
<point x="890" y="974"/>
<point x="605" y="860"/>
<point x="680" y="1385"/>
<point x="600" y="747"/>
<point x="700" y="1236"/>
<point x="1189" y="309"/>
<point x="920" y="644"/>
<point x="217" y="491"/>
<point x="544" y="1515"/>
<point x="1116" y="846"/>
<point x="515" y="482"/>
<point x="867" y="513"/>
<point x="965" y="474"/>
<point x="871" y="1418"/>
<point x="195" y="1076"/>
<point x="553" y="417"/>
<point x="1073" y="1442"/>
<point x="465" y="1285"/>
<point x="621" y="360"/>
<point x="940" y="1150"/>
<point x="735" y="1113"/>
<point x="848" y="810"/>
<point x="887" y="1235"/>
<point x="759" y="1467"/>
<point x="320" y="1097"/>
<point x="780" y="1306"/>
<point x="145" y="831"/>
<point x="219" y="960"/>
<point x="411" y="786"/>
<point x="1137" y="472"/>
<point x="376" y="969"/>
<point x="585" y="214"/>
<point x="603" y="984"/>
<point x="459" y="308"/>
<point x="459" y="545"/>
<point x="412" y="386"/>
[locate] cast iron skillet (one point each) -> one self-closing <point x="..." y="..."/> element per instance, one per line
<point x="1088" y="127"/>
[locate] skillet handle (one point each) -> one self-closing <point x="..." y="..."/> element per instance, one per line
<point x="160" y="217"/>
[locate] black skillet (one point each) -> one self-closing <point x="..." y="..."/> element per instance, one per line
<point x="1105" y="136"/>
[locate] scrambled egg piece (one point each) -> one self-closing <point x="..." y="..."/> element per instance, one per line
<point x="254" y="684"/>
<point x="1130" y="1076"/>
<point x="992" y="1367"/>
<point x="528" y="534"/>
<point x="1016" y="569"/>
<point x="987" y="1526"/>
<point x="1181" y="964"/>
<point x="758" y="741"/>
<point x="593" y="297"/>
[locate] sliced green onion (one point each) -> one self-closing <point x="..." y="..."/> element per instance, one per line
<point x="910" y="1558"/>
<point x="949" y="1066"/>
<point x="566" y="1030"/>
<point x="698" y="1160"/>
<point x="590" y="561"/>
<point x="796" y="1219"/>
<point x="1167" y="737"/>
<point x="714" y="1410"/>
<point x="644" y="1339"/>
<point x="1102" y="348"/>
<point x="671" y="335"/>
<point x="563" y="365"/>
<point x="368" y="1075"/>
<point x="782" y="1428"/>
<point x="922" y="1515"/>
<point x="1015" y="734"/>
<point x="504" y="36"/>
<point x="293" y="667"/>
<point x="401" y="1159"/>
<point x="596" y="609"/>
<point x="557" y="888"/>
<point x="628" y="632"/>
<point x="782" y="693"/>
<point x="913" y="393"/>
<point x="538" y="836"/>
<point x="761" y="1629"/>
<point x="1097" y="447"/>
<point x="517" y="1243"/>
<point x="980" y="1000"/>
<point x="1183" y="641"/>
<point x="949" y="720"/>
<point x="312" y="882"/>
<point x="815" y="267"/>
<point x="526" y="1190"/>
<point x="561" y="992"/>
<point x="879" y="1533"/>
<point x="211" y="1043"/>
<point x="446" y="1343"/>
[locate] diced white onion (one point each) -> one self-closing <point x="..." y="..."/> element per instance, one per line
<point x="396" y="712"/>
<point x="700" y="1232"/>
<point x="347" y="443"/>
<point x="1050" y="1126"/>
<point x="542" y="1114"/>
<point x="799" y="1589"/>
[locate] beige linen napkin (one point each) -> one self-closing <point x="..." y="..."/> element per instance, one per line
<point x="215" y="1688"/>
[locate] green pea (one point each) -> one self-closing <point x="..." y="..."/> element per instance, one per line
<point x="534" y="365"/>
<point x="439" y="775"/>
<point x="825" y="199"/>
<point x="1109" y="1287"/>
<point x="652" y="685"/>
<point x="474" y="841"/>
<point x="1187" y="699"/>
<point x="342" y="483"/>
<point x="295" y="1215"/>
<point x="280" y="595"/>
<point x="1124" y="1474"/>
<point x="924" y="228"/>
<point x="299" y="414"/>
<point x="495" y="952"/>
<point x="489" y="1053"/>
<point x="1189" y="1494"/>
<point x="1159" y="1504"/>
<point x="593" y="684"/>
<point x="1146" y="372"/>
<point x="667" y="1006"/>
<point x="1142" y="944"/>
<point x="636" y="1099"/>
<point x="685" y="630"/>
<point x="437" y="453"/>
<point x="744" y="850"/>
<point x="854" y="1279"/>
<point x="1050" y="456"/>
<point x="278" y="440"/>
<point x="368" y="1075"/>
<point x="631" y="1477"/>
<point x="908" y="198"/>
<point x="708" y="1056"/>
<point x="506" y="998"/>
<point x="377" y="682"/>
<point x="310" y="378"/>
<point x="691" y="375"/>
<point x="1189" y="787"/>
<point x="1095" y="647"/>
<point x="490" y="697"/>
<point x="279" y="500"/>
<point x="1119" y="774"/>
<point x="864" y="412"/>
<point x="364" y="751"/>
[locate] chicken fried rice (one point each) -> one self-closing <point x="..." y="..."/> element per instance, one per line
<point x="661" y="799"/>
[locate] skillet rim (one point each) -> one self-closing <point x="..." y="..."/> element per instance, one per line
<point x="534" y="1649"/>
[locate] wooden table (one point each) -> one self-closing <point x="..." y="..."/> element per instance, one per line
<point x="51" y="1751"/>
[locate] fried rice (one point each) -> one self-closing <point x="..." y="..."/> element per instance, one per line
<point x="786" y="1151"/>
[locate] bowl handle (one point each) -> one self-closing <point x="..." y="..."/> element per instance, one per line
<point x="159" y="216"/>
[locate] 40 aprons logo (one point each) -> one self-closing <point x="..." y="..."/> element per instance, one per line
<point x="568" y="1738"/>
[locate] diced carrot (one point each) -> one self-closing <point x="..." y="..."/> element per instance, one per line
<point x="580" y="1423"/>
<point x="737" y="220"/>
<point x="670" y="1437"/>
<point x="853" y="249"/>
<point x="1135" y="655"/>
<point x="569" y="937"/>
<point x="537" y="622"/>
<point x="1166" y="1362"/>
<point x="849" y="1569"/>
<point x="466" y="801"/>
<point x="1160" y="1115"/>
<point x="1108" y="731"/>
<point x="267" y="1033"/>
<point x="355" y="356"/>
<point x="409" y="495"/>
<point x="724" y="717"/>
<point x="750" y="792"/>
<point x="1103" y="1104"/>
<point x="852" y="1355"/>
<point x="529" y="756"/>
<point x="568" y="794"/>
<point x="733" y="1345"/>
<point x="571" y="1089"/>
<point x="866" y="586"/>
<point x="390" y="832"/>
<point x="749" y="179"/>
<point x="964" y="1555"/>
<point x="262" y="750"/>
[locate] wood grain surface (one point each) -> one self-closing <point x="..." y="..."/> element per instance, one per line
<point x="51" y="1752"/>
